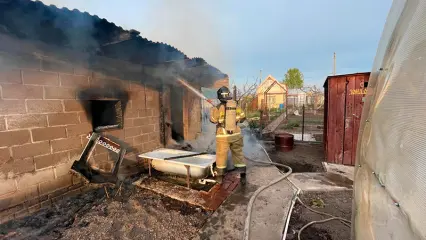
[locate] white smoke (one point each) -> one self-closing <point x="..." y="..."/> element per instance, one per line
<point x="189" y="26"/>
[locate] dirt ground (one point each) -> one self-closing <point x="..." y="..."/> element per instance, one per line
<point x="305" y="157"/>
<point x="308" y="157"/>
<point x="136" y="214"/>
<point x="338" y="204"/>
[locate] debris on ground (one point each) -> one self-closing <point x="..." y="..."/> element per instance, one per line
<point x="317" y="203"/>
<point x="338" y="204"/>
<point x="133" y="213"/>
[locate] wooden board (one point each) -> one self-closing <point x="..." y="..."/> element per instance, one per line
<point x="340" y="120"/>
<point x="349" y="121"/>
<point x="326" y="89"/>
<point x="358" y="104"/>
<point x="343" y="109"/>
<point x="331" y="123"/>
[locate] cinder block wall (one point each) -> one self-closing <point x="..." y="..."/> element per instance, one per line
<point x="43" y="129"/>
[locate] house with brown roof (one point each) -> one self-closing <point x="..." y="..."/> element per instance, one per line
<point x="271" y="92"/>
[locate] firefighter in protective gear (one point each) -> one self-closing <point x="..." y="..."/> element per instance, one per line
<point x="226" y="115"/>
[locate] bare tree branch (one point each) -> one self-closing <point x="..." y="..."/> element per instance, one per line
<point x="248" y="89"/>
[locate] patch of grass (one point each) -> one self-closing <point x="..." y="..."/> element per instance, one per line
<point x="291" y="125"/>
<point x="253" y="114"/>
<point x="317" y="203"/>
<point x="314" y="121"/>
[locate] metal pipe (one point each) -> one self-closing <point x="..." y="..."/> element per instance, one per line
<point x="188" y="176"/>
<point x="184" y="156"/>
<point x="90" y="146"/>
<point x="103" y="128"/>
<point x="119" y="161"/>
<point x="303" y="121"/>
<point x="286" y="104"/>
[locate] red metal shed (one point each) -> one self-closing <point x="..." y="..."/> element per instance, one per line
<point x="344" y="95"/>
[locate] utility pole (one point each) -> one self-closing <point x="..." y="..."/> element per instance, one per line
<point x="260" y="75"/>
<point x="334" y="64"/>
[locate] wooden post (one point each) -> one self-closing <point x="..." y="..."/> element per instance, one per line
<point x="286" y="104"/>
<point x="334" y="64"/>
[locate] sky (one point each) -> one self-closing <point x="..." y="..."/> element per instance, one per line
<point x="250" y="38"/>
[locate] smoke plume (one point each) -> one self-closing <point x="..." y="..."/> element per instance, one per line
<point x="188" y="26"/>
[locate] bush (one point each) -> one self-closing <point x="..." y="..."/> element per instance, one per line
<point x="253" y="124"/>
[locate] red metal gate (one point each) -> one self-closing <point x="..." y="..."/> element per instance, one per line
<point x="343" y="107"/>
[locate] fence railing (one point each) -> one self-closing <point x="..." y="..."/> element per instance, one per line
<point x="306" y="122"/>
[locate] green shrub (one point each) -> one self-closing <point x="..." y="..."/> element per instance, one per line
<point x="291" y="125"/>
<point x="253" y="114"/>
<point x="253" y="124"/>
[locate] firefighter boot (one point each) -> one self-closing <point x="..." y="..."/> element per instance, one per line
<point x="242" y="171"/>
<point x="219" y="175"/>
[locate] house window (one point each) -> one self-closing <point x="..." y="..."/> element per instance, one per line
<point x="271" y="99"/>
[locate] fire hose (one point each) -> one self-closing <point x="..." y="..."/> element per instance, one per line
<point x="258" y="191"/>
<point x="275" y="181"/>
<point x="296" y="198"/>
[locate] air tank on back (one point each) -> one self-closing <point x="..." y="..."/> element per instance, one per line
<point x="231" y="115"/>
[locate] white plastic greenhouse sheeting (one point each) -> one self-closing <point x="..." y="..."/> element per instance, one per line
<point x="390" y="175"/>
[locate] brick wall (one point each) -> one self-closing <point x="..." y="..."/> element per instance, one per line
<point x="43" y="128"/>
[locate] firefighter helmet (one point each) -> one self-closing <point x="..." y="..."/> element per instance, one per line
<point x="223" y="94"/>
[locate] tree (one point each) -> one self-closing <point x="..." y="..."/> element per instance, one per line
<point x="316" y="95"/>
<point x="247" y="93"/>
<point x="293" y="78"/>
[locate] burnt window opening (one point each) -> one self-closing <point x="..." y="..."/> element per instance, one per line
<point x="104" y="106"/>
<point x="106" y="114"/>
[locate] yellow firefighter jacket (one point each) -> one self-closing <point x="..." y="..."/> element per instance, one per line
<point x="217" y="116"/>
